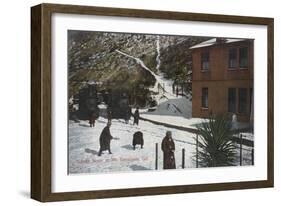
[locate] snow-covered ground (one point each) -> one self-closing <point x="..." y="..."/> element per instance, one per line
<point x="178" y="112"/>
<point x="174" y="120"/>
<point x="174" y="111"/>
<point x="188" y="122"/>
<point x="84" y="147"/>
<point x="181" y="107"/>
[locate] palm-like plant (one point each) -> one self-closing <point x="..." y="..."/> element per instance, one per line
<point x="216" y="147"/>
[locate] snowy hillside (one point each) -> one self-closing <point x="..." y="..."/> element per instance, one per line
<point x="125" y="61"/>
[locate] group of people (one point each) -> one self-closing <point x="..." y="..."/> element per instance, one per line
<point x="106" y="137"/>
<point x="93" y="116"/>
<point x="167" y="146"/>
<point x="128" y="115"/>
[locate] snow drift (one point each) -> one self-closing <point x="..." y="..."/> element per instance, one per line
<point x="174" y="107"/>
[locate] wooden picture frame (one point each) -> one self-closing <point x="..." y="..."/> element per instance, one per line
<point x="41" y="97"/>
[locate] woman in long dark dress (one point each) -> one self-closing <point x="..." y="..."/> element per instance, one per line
<point x="168" y="148"/>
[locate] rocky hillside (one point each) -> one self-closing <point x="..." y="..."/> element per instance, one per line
<point x="94" y="56"/>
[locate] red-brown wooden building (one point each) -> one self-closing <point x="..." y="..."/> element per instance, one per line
<point x="222" y="78"/>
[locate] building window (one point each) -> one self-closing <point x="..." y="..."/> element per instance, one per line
<point x="205" y="61"/>
<point x="232" y="58"/>
<point x="232" y="100"/>
<point x="243" y="57"/>
<point x="242" y="108"/>
<point x="205" y="97"/>
<point x="251" y="100"/>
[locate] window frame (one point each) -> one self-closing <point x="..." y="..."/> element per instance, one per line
<point x="228" y="60"/>
<point x="202" y="60"/>
<point x="246" y="101"/>
<point x="239" y="59"/>
<point x="204" y="104"/>
<point x="235" y="100"/>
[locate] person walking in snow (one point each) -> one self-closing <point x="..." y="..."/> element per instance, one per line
<point x="105" y="139"/>
<point x="136" y="116"/>
<point x="92" y="119"/>
<point x="168" y="148"/>
<point x="109" y="114"/>
<point x="128" y="115"/>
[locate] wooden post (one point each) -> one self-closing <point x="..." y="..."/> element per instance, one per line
<point x="241" y="156"/>
<point x="196" y="150"/>
<point x="253" y="156"/>
<point x="156" y="156"/>
<point x="183" y="158"/>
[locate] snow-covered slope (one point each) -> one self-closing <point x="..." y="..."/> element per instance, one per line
<point x="174" y="107"/>
<point x="84" y="147"/>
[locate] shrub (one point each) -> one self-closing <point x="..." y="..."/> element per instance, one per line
<point x="216" y="147"/>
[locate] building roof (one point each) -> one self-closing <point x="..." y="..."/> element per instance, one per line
<point x="214" y="41"/>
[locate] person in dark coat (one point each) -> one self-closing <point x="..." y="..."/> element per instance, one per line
<point x="92" y="119"/>
<point x="168" y="148"/>
<point x="109" y="114"/>
<point x="138" y="139"/>
<point x="173" y="88"/>
<point x="105" y="139"/>
<point x="128" y="115"/>
<point x="136" y="116"/>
